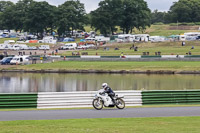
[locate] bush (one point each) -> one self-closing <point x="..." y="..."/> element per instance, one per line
<point x="197" y="23"/>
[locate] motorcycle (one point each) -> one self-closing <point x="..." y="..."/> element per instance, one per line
<point x="102" y="99"/>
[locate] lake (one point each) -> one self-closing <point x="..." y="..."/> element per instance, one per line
<point x="35" y="82"/>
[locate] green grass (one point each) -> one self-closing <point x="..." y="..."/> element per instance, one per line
<point x="164" y="30"/>
<point x="155" y="30"/>
<point x="4" y="39"/>
<point x="114" y="125"/>
<point x="87" y="65"/>
<point x="166" y="48"/>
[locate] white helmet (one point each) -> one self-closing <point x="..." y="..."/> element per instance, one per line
<point x="104" y="85"/>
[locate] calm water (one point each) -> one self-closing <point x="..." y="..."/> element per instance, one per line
<point x="24" y="83"/>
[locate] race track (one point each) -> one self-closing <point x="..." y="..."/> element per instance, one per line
<point x="105" y="113"/>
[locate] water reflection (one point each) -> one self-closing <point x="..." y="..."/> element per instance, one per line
<point x="26" y="82"/>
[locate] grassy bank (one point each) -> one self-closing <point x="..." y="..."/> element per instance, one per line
<point x="118" y="125"/>
<point x="143" y="66"/>
<point x="159" y="30"/>
<point x="166" y="48"/>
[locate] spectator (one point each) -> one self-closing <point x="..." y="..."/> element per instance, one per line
<point x="122" y="55"/>
<point x="133" y="47"/>
<point x="116" y="48"/>
<point x="136" y="49"/>
<point x="183" y="43"/>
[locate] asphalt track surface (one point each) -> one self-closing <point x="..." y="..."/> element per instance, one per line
<point x="105" y="113"/>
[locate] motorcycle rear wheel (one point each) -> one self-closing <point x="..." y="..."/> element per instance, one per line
<point x="97" y="104"/>
<point x="120" y="104"/>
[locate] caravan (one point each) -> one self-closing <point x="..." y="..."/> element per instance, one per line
<point x="48" y="39"/>
<point x="69" y="46"/>
<point x="125" y="38"/>
<point x="20" y="47"/>
<point x="5" y="46"/>
<point x="142" y="38"/>
<point x="157" y="39"/>
<point x="44" y="47"/>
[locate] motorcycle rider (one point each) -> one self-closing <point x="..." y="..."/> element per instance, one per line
<point x="109" y="91"/>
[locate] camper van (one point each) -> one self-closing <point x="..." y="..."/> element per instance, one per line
<point x="69" y="46"/>
<point x="20" y="60"/>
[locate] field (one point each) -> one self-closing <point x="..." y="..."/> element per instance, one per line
<point x="115" y="125"/>
<point x="166" y="48"/>
<point x="143" y="66"/>
<point x="160" y="30"/>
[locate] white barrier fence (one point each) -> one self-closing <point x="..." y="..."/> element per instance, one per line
<point x="81" y="99"/>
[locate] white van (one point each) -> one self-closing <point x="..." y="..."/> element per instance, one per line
<point x="69" y="46"/>
<point x="20" y="60"/>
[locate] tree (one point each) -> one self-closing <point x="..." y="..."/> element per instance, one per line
<point x="5" y="7"/>
<point x="38" y="16"/>
<point x="185" y="11"/>
<point x="107" y="16"/>
<point x="8" y="18"/>
<point x="20" y="14"/>
<point x="157" y="17"/>
<point x="136" y="14"/>
<point x="71" y="16"/>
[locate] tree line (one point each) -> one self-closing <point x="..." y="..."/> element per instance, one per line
<point x="38" y="17"/>
<point x="184" y="11"/>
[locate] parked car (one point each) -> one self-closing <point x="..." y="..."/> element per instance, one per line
<point x="6" y="60"/>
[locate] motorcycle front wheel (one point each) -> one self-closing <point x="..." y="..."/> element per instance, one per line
<point x="97" y="104"/>
<point x="120" y="104"/>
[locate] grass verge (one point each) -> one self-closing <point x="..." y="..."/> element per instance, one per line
<point x="103" y="65"/>
<point x="113" y="125"/>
